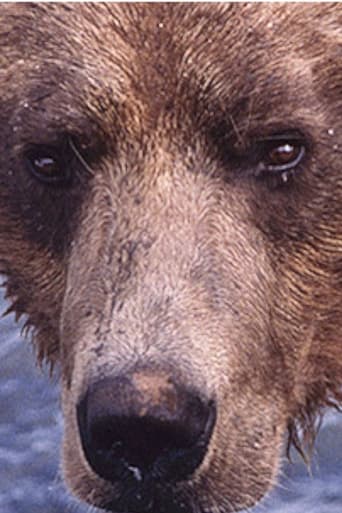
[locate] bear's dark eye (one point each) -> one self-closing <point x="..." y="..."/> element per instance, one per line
<point x="48" y="165"/>
<point x="279" y="154"/>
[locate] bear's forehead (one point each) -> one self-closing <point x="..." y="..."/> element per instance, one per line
<point x="161" y="51"/>
<point x="242" y="61"/>
<point x="157" y="45"/>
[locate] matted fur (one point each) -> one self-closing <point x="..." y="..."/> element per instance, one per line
<point x="168" y="250"/>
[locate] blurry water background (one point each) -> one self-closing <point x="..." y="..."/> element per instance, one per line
<point x="31" y="431"/>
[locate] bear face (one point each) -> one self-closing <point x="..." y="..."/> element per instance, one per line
<point x="170" y="223"/>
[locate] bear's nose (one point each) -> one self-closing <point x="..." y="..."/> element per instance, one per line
<point x="144" y="427"/>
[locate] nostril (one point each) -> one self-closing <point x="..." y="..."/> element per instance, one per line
<point x="186" y="443"/>
<point x="129" y="434"/>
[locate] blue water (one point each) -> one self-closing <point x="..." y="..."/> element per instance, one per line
<point x="30" y="437"/>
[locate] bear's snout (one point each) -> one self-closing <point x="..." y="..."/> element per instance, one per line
<point x="144" y="427"/>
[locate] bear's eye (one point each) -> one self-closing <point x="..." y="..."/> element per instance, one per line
<point x="279" y="154"/>
<point x="48" y="165"/>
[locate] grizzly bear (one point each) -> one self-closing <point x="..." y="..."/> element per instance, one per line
<point x="171" y="226"/>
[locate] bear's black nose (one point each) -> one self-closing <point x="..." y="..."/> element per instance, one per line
<point x="144" y="427"/>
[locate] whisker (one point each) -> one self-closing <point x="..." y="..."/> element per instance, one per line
<point x="79" y="156"/>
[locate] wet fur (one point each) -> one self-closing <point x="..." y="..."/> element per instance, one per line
<point x="158" y="105"/>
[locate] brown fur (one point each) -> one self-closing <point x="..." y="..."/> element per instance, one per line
<point x="167" y="250"/>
